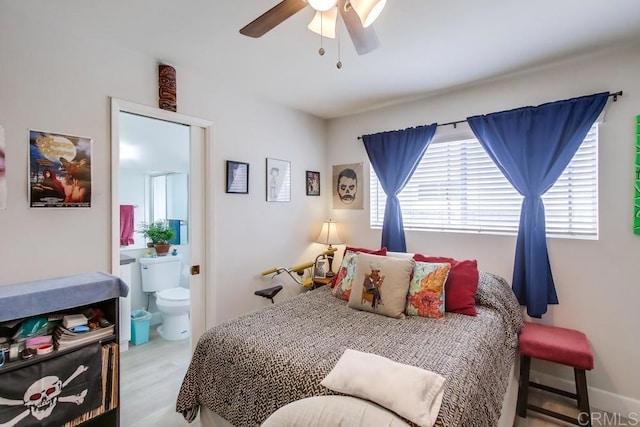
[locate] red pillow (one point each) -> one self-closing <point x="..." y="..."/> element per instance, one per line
<point x="461" y="286"/>
<point x="382" y="252"/>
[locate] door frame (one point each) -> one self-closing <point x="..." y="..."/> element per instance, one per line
<point x="202" y="307"/>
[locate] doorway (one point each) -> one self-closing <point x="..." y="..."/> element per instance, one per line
<point x="178" y="191"/>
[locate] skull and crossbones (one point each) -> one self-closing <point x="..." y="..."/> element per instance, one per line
<point x="42" y="396"/>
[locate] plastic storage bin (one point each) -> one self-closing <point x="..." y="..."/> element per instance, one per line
<point x="140" y="321"/>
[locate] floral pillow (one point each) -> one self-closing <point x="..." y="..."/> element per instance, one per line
<point x="461" y="286"/>
<point x="426" y="290"/>
<point x="344" y="277"/>
<point x="382" y="251"/>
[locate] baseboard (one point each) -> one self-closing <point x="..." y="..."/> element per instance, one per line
<point x="155" y="318"/>
<point x="598" y="398"/>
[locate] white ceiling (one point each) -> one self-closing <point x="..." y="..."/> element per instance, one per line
<point x="427" y="46"/>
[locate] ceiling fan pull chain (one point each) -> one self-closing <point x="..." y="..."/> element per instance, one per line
<point x="321" y="50"/>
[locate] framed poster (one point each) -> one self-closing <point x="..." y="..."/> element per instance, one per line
<point x="59" y="170"/>
<point x="237" y="177"/>
<point x="278" y="180"/>
<point x="313" y="183"/>
<point x="347" y="180"/>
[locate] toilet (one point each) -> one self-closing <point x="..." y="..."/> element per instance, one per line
<point x="161" y="276"/>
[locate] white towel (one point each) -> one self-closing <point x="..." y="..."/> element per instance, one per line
<point x="409" y="391"/>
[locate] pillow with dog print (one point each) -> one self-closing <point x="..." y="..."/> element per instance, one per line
<point x="380" y="284"/>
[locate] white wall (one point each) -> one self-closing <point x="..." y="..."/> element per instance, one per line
<point x="54" y="82"/>
<point x="596" y="281"/>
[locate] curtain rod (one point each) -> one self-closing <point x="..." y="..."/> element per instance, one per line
<point x="455" y="124"/>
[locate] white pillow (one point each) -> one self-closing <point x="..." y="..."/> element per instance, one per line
<point x="409" y="391"/>
<point x="335" y="411"/>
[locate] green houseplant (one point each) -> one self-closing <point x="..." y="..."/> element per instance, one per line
<point x="159" y="233"/>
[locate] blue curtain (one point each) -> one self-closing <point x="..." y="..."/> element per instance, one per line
<point x="174" y="224"/>
<point x="394" y="156"/>
<point x="532" y="146"/>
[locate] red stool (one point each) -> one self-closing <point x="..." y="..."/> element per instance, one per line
<point x="558" y="345"/>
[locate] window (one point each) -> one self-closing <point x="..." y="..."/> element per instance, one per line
<point x="457" y="187"/>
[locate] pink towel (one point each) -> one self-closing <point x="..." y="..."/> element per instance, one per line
<point x="126" y="225"/>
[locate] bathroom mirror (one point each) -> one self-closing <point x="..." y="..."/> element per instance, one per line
<point x="154" y="174"/>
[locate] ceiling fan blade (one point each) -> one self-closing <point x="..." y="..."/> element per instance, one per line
<point x="364" y="39"/>
<point x="271" y="18"/>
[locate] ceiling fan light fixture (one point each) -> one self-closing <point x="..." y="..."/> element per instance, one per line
<point x="322" y="5"/>
<point x="324" y="23"/>
<point x="368" y="10"/>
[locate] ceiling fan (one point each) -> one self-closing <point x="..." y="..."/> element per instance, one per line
<point x="356" y="14"/>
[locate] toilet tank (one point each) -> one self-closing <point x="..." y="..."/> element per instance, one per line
<point x="160" y="273"/>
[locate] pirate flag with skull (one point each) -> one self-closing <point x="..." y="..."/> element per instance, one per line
<point x="54" y="391"/>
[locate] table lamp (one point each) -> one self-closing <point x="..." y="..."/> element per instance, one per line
<point x="329" y="236"/>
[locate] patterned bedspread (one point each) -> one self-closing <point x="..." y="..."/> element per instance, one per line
<point x="247" y="368"/>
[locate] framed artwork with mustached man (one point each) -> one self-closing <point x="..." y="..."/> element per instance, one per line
<point x="347" y="186"/>
<point x="59" y="170"/>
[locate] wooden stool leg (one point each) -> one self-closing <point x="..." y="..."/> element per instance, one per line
<point x="583" y="397"/>
<point x="523" y="387"/>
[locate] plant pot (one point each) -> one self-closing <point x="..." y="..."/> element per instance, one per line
<point x="162" y="250"/>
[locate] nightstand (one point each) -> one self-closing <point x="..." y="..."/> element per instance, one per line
<point x="321" y="281"/>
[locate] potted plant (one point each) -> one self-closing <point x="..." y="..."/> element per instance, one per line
<point x="159" y="233"/>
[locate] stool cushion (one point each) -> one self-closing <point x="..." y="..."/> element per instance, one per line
<point x="559" y="345"/>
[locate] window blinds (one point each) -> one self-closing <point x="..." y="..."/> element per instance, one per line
<point x="457" y="187"/>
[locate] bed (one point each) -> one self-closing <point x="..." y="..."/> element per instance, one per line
<point x="245" y="369"/>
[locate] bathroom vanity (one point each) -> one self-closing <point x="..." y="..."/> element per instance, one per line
<point x="74" y="382"/>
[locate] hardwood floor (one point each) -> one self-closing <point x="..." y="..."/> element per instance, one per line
<point x="152" y="374"/>
<point x="548" y="402"/>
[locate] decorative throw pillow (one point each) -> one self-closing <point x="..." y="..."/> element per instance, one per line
<point x="426" y="291"/>
<point x="336" y="278"/>
<point x="381" y="251"/>
<point x="461" y="285"/>
<point x="344" y="278"/>
<point x="380" y="284"/>
<point x="409" y="391"/>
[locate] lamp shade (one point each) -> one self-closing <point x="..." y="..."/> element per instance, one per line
<point x="368" y="10"/>
<point x="324" y="23"/>
<point x="329" y="234"/>
<point x="322" y="5"/>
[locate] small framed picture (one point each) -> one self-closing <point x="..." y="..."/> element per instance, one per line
<point x="313" y="183"/>
<point x="319" y="271"/>
<point x="278" y="180"/>
<point x="237" y="177"/>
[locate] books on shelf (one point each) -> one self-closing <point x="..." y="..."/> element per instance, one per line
<point x="65" y="338"/>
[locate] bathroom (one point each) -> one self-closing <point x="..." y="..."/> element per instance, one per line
<point x="153" y="186"/>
